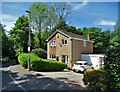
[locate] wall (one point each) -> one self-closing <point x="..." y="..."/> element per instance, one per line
<point x="78" y="49"/>
<point x="63" y="49"/>
<point x="51" y="49"/>
<point x="88" y="48"/>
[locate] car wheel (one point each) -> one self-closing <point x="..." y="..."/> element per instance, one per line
<point x="73" y="70"/>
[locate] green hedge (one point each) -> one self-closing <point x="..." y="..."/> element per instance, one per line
<point x="38" y="64"/>
<point x="40" y="52"/>
<point x="23" y="58"/>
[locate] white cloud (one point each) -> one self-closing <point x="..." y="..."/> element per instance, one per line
<point x="8" y="20"/>
<point x="8" y="25"/>
<point x="78" y="6"/>
<point x="105" y="22"/>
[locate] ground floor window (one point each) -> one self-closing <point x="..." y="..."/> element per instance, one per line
<point x="52" y="56"/>
<point x="65" y="59"/>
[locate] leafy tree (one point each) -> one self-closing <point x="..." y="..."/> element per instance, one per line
<point x="51" y="19"/>
<point x="5" y="42"/>
<point x="19" y="35"/>
<point x="71" y="29"/>
<point x="38" y="15"/>
<point x="112" y="62"/>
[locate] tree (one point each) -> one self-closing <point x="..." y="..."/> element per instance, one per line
<point x="5" y="42"/>
<point x="112" y="62"/>
<point x="63" y="11"/>
<point x="71" y="29"/>
<point x="19" y="35"/>
<point x="38" y="15"/>
<point x="51" y="19"/>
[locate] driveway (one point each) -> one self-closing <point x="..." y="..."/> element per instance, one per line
<point x="31" y="80"/>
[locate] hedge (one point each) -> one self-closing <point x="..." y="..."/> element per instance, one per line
<point x="40" y="52"/>
<point x="38" y="64"/>
<point x="23" y="58"/>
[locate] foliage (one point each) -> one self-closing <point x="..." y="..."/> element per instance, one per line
<point x="94" y="80"/>
<point x="112" y="62"/>
<point x="6" y="59"/>
<point x="23" y="58"/>
<point x="19" y="35"/>
<point x="40" y="52"/>
<point x="37" y="19"/>
<point x="5" y="42"/>
<point x="112" y="70"/>
<point x="47" y="65"/>
<point x="39" y="64"/>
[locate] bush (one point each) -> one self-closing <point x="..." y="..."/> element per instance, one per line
<point x="47" y="65"/>
<point x="94" y="79"/>
<point x="5" y="59"/>
<point x="23" y="58"/>
<point x="38" y="64"/>
<point x="40" y="52"/>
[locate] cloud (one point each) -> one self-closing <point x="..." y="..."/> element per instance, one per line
<point x="8" y="20"/>
<point x="79" y="5"/>
<point x="105" y="22"/>
<point x="8" y="25"/>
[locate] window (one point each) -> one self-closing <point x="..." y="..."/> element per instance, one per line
<point x="64" y="41"/>
<point x="65" y="59"/>
<point x="52" y="43"/>
<point x="52" y="56"/>
<point x="84" y="43"/>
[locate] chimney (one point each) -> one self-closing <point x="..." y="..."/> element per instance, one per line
<point x="88" y="36"/>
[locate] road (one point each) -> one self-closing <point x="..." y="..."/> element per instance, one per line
<point x="19" y="79"/>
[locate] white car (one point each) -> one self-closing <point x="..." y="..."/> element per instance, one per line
<point x="81" y="66"/>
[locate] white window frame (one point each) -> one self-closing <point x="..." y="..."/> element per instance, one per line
<point x="63" y="41"/>
<point x="53" y="43"/>
<point x="66" y="59"/>
<point x="84" y="43"/>
<point x="52" y="56"/>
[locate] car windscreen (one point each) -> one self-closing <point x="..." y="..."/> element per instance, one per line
<point x="78" y="64"/>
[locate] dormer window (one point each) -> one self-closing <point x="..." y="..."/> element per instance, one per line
<point x="64" y="42"/>
<point x="52" y="43"/>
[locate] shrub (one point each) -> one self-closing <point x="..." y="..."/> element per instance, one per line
<point x="40" y="52"/>
<point x="38" y="64"/>
<point x="94" y="79"/>
<point x="47" y="65"/>
<point x="5" y="59"/>
<point x="23" y="58"/>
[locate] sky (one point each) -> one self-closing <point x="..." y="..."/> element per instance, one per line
<point x="83" y="14"/>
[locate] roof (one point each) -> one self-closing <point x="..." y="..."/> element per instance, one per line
<point x="70" y="35"/>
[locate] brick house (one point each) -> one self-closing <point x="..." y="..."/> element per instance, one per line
<point x="67" y="47"/>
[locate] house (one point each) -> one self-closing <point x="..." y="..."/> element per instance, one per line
<point x="67" y="47"/>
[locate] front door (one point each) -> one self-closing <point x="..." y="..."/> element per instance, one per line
<point x="65" y="59"/>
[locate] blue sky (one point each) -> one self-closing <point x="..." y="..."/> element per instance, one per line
<point x="83" y="14"/>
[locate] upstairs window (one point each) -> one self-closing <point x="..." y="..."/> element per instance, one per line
<point x="52" y="43"/>
<point x="64" y="42"/>
<point x="84" y="43"/>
